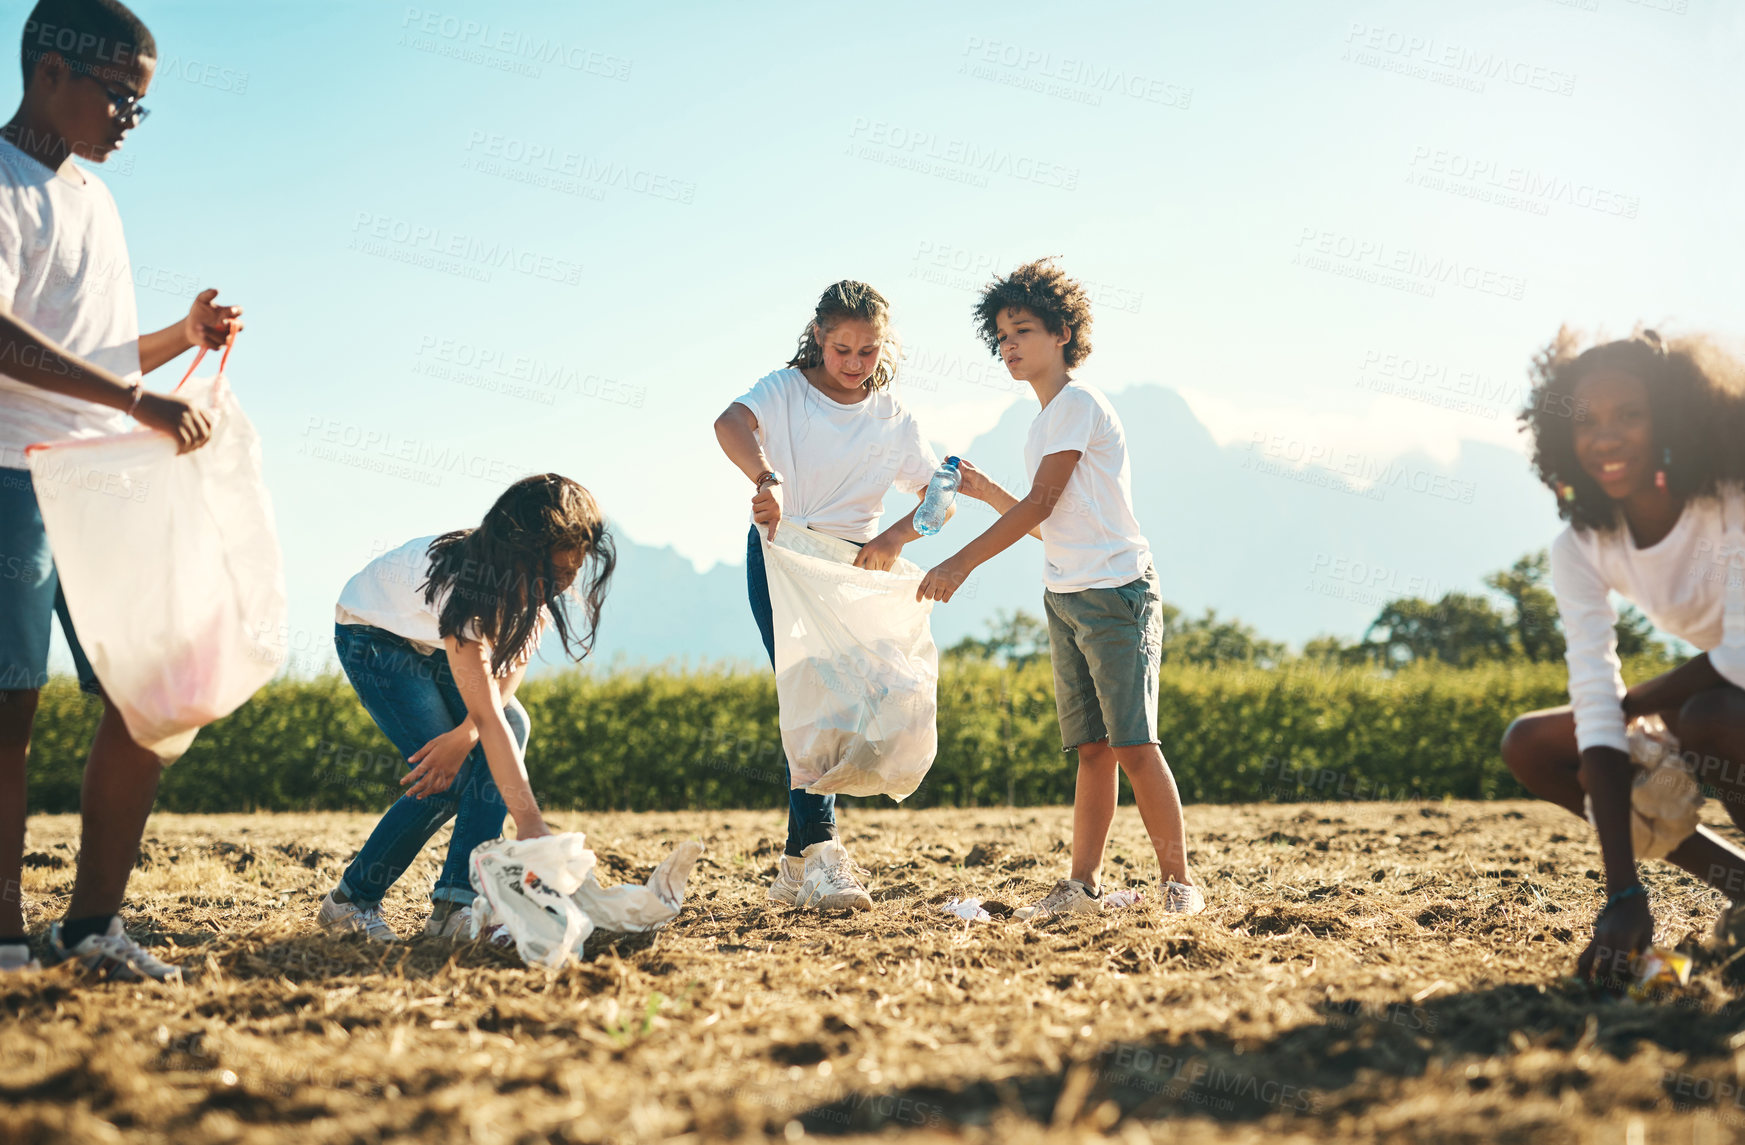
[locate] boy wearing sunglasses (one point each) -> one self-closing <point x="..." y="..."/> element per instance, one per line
<point x="71" y="357"/>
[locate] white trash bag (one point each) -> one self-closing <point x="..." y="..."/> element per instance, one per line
<point x="632" y="909"/>
<point x="857" y="672"/>
<point x="170" y="565"/>
<point x="525" y="886"/>
<point x="543" y="892"/>
<point x="1665" y="799"/>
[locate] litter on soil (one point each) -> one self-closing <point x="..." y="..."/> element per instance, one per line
<point x="1368" y="972"/>
<point x="970" y="910"/>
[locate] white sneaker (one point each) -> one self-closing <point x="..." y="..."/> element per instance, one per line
<point x="458" y="925"/>
<point x="829" y="882"/>
<point x="114" y="955"/>
<point x="1069" y="896"/>
<point x="1729" y="935"/>
<point x="16" y="956"/>
<point x="345" y="917"/>
<point x="1180" y="899"/>
<point x="789" y="875"/>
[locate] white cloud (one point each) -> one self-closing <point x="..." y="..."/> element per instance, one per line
<point x="1387" y="427"/>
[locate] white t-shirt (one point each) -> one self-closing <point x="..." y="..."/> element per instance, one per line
<point x="387" y="594"/>
<point x="837" y="461"/>
<point x="1690" y="584"/>
<point x="64" y="270"/>
<point x="1091" y="539"/>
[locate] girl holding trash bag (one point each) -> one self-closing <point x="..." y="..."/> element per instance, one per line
<point x="435" y="636"/>
<point x="1642" y="442"/>
<point x="822" y="441"/>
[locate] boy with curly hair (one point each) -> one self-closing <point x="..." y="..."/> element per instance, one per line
<point x="1104" y="607"/>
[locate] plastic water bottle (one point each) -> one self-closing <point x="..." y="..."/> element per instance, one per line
<point x="941" y="492"/>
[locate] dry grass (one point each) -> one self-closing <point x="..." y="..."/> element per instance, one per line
<point x="1366" y="972"/>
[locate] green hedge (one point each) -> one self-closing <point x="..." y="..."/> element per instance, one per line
<point x="667" y="739"/>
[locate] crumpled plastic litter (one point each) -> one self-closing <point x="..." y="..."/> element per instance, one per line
<point x="1659" y="969"/>
<point x="1665" y="798"/>
<point x="631" y="908"/>
<point x="544" y="893"/>
<point x="970" y="910"/>
<point x="1116" y="900"/>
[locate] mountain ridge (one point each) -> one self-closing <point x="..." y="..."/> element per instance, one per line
<point x="1293" y="541"/>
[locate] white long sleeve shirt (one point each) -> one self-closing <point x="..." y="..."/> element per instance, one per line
<point x="1691" y="584"/>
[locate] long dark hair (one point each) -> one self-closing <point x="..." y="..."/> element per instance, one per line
<point x="1696" y="398"/>
<point x="850" y="299"/>
<point x="499" y="576"/>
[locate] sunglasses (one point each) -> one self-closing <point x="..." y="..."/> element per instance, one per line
<point x="124" y="107"/>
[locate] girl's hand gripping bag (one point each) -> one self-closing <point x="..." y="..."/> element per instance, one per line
<point x="170" y="565"/>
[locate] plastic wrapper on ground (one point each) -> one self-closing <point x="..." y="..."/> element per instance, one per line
<point x="1665" y="799"/>
<point x="543" y="891"/>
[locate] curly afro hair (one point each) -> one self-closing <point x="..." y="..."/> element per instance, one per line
<point x="1696" y="398"/>
<point x="1043" y="289"/>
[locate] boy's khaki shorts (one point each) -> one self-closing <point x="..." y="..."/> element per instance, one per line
<point x="1106" y="644"/>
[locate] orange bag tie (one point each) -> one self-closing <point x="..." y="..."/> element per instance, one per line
<point x="223" y="360"/>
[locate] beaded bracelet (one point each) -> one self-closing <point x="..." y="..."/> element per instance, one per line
<point x="138" y="392"/>
<point x="1628" y="892"/>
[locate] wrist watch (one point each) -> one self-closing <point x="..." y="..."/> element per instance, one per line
<point x="768" y="477"/>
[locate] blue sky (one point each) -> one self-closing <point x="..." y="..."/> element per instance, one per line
<point x="475" y="241"/>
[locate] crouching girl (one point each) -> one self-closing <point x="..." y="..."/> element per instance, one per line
<point x="1639" y="440"/>
<point x="435" y="637"/>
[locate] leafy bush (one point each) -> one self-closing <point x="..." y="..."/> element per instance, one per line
<point x="666" y="739"/>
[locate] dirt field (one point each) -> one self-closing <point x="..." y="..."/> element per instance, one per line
<point x="1366" y="972"/>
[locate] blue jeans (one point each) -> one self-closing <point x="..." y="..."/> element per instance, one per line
<point x="413" y="699"/>
<point x="811" y="818"/>
<point x="30" y="593"/>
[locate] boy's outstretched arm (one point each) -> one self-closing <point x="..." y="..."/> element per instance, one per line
<point x="206" y="324"/>
<point x="945" y="578"/>
<point x="37" y="361"/>
<point x="881" y="553"/>
<point x="985" y="489"/>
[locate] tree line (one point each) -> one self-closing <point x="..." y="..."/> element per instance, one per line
<point x="1516" y="622"/>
